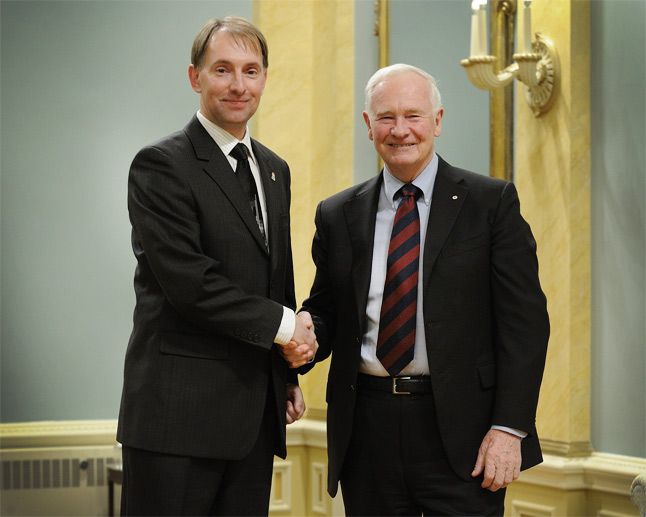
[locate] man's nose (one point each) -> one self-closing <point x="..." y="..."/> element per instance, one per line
<point x="237" y="82"/>
<point x="400" y="128"/>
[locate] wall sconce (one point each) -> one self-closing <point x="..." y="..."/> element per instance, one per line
<point x="535" y="63"/>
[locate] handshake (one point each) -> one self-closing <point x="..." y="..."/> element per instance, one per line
<point x="303" y="345"/>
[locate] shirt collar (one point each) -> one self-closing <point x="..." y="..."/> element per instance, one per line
<point x="225" y="140"/>
<point x="424" y="181"/>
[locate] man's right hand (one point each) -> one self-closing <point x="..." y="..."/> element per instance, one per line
<point x="303" y="345"/>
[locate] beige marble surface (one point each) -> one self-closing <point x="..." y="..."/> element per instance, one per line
<point x="307" y="115"/>
<point x="552" y="156"/>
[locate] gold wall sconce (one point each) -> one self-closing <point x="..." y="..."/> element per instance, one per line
<point x="535" y="62"/>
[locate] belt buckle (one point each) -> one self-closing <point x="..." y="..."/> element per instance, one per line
<point x="395" y="391"/>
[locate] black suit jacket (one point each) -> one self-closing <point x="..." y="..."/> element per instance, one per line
<point x="484" y="312"/>
<point x="209" y="300"/>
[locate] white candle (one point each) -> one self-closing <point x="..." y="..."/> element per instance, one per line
<point x="475" y="40"/>
<point x="482" y="29"/>
<point x="478" y="27"/>
<point x="527" y="26"/>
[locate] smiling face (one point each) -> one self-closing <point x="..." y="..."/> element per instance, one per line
<point x="402" y="125"/>
<point x="230" y="81"/>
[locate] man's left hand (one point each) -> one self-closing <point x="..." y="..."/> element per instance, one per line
<point x="499" y="457"/>
<point x="295" y="403"/>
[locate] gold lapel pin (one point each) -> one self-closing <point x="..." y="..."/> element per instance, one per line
<point x="273" y="176"/>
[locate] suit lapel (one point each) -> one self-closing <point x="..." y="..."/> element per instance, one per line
<point x="448" y="196"/>
<point x="219" y="169"/>
<point x="272" y="202"/>
<point x="360" y="213"/>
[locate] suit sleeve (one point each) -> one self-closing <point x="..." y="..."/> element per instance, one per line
<point x="290" y="290"/>
<point x="320" y="303"/>
<point x="166" y="236"/>
<point x="521" y="323"/>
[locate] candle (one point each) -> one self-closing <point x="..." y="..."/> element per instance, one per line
<point x="482" y="29"/>
<point x="475" y="39"/>
<point x="478" y="27"/>
<point x="527" y="26"/>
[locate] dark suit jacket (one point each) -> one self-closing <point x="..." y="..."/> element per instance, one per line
<point x="209" y="300"/>
<point x="484" y="312"/>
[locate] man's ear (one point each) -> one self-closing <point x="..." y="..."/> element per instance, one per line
<point x="438" y="122"/>
<point x="366" y="119"/>
<point x="193" y="75"/>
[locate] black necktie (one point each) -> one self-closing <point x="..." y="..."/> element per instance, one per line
<point x="243" y="172"/>
<point x="396" y="341"/>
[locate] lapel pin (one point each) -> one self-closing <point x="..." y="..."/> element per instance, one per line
<point x="454" y="197"/>
<point x="273" y="176"/>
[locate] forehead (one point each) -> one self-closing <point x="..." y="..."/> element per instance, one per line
<point x="401" y="91"/>
<point x="225" y="46"/>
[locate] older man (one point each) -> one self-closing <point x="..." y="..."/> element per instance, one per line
<point x="427" y="296"/>
<point x="207" y="390"/>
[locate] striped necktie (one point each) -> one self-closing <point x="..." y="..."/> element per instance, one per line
<point x="396" y="341"/>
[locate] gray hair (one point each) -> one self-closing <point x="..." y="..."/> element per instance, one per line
<point x="397" y="69"/>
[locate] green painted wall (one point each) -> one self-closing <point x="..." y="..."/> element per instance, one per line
<point x="84" y="86"/>
<point x="618" y="122"/>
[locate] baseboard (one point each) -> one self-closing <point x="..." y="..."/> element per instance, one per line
<point x="599" y="472"/>
<point x="59" y="433"/>
<point x="61" y="466"/>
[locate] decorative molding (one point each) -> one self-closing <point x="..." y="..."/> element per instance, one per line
<point x="569" y="449"/>
<point x="65" y="433"/>
<point x="521" y="508"/>
<point x="280" y="499"/>
<point x="60" y="433"/>
<point x="599" y="472"/>
<point x="638" y="493"/>
<point x="596" y="471"/>
<point x="318" y="488"/>
<point x="306" y="432"/>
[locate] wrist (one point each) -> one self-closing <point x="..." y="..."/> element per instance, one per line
<point x="287" y="327"/>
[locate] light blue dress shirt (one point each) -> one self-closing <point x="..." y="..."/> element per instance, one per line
<point x="386" y="210"/>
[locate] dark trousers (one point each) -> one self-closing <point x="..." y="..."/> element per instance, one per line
<point x="396" y="465"/>
<point x="163" y="484"/>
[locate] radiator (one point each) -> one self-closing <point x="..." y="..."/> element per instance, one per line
<point x="60" y="468"/>
<point x="58" y="481"/>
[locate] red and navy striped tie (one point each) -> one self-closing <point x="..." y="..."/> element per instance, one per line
<point x="396" y="341"/>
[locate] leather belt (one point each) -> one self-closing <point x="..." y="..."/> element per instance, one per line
<point x="416" y="385"/>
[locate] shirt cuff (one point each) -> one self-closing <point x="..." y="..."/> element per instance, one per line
<point x="287" y="327"/>
<point x="510" y="430"/>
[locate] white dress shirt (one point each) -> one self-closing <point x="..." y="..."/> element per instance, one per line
<point x="226" y="142"/>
